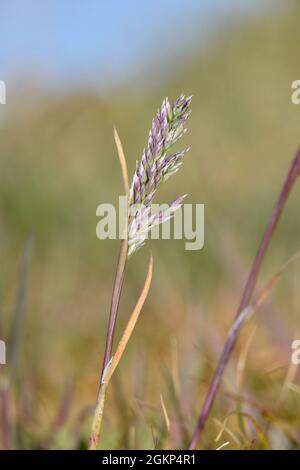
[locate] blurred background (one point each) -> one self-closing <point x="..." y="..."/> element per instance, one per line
<point x="73" y="70"/>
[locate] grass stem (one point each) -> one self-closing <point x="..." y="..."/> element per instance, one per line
<point x="246" y="297"/>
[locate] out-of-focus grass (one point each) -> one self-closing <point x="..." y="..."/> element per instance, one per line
<point x="58" y="162"/>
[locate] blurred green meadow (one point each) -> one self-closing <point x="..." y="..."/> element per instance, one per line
<point x="58" y="162"/>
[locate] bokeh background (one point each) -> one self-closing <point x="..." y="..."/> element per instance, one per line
<point x="73" y="70"/>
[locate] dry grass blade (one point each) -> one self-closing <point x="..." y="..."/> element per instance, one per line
<point x="240" y="376"/>
<point x="223" y="445"/>
<point x="114" y="361"/>
<point x="241" y="364"/>
<point x="123" y="163"/>
<point x="131" y="323"/>
<point x="261" y="297"/>
<point x="166" y="416"/>
<point x="224" y="428"/>
<point x="295" y="388"/>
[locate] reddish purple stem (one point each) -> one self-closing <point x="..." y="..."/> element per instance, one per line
<point x="115" y="300"/>
<point x="246" y="297"/>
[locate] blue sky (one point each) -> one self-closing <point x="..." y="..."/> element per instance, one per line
<point x="72" y="42"/>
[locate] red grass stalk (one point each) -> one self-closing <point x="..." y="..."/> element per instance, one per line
<point x="292" y="175"/>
